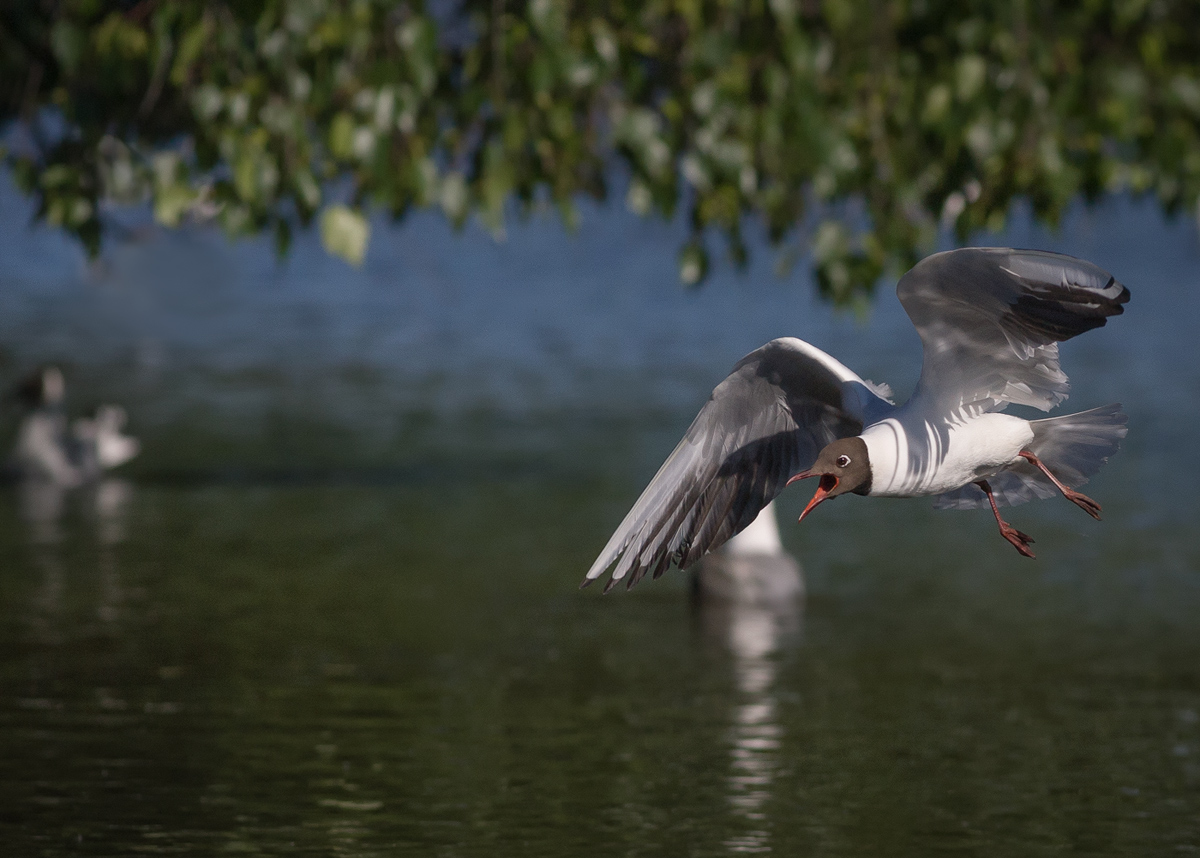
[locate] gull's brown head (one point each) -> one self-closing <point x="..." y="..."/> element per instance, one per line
<point x="843" y="466"/>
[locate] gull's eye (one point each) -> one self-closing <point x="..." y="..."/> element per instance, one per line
<point x="843" y="461"/>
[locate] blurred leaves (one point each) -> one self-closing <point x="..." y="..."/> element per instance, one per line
<point x="344" y="233"/>
<point x="852" y="132"/>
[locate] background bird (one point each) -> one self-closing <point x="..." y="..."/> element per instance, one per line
<point x="49" y="449"/>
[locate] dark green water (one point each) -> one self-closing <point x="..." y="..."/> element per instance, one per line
<point x="332" y="610"/>
<point x="360" y="669"/>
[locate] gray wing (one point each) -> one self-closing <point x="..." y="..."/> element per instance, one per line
<point x="764" y="423"/>
<point x="990" y="321"/>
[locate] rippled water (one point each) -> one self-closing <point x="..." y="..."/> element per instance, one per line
<point x="333" y="608"/>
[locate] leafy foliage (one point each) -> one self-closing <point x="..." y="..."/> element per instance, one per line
<point x="871" y="123"/>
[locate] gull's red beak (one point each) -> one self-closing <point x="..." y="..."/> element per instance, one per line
<point x="828" y="483"/>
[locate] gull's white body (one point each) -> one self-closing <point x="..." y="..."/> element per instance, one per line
<point x="914" y="454"/>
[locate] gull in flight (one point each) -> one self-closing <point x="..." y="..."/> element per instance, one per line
<point x="990" y="320"/>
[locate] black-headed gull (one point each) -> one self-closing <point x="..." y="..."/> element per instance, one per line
<point x="990" y="320"/>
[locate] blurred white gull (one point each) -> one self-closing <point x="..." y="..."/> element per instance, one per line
<point x="47" y="452"/>
<point x="101" y="446"/>
<point x="751" y="568"/>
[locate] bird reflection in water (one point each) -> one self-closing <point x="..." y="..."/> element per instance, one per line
<point x="44" y="507"/>
<point x="749" y="597"/>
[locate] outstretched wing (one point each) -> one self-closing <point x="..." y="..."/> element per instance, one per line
<point x="990" y="321"/>
<point x="764" y="423"/>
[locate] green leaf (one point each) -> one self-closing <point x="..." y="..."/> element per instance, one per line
<point x="693" y="263"/>
<point x="68" y="42"/>
<point x="283" y="237"/>
<point x="172" y="202"/>
<point x="345" y="233"/>
<point x="119" y="39"/>
<point x="190" y="47"/>
<point x="341" y="136"/>
<point x="308" y="192"/>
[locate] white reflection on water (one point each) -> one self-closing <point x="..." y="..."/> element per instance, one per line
<point x="45" y="508"/>
<point x="753" y="625"/>
<point x="109" y="507"/>
<point x="41" y="504"/>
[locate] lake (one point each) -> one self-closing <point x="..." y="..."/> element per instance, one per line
<point x="333" y="607"/>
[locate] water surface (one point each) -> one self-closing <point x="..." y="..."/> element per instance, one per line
<point x="332" y="610"/>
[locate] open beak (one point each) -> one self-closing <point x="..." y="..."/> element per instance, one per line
<point x="828" y="483"/>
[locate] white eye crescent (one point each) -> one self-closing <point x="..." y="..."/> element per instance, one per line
<point x="843" y="461"/>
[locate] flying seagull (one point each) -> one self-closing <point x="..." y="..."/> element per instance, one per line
<point x="990" y="320"/>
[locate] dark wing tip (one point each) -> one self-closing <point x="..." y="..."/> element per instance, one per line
<point x="1063" y="296"/>
<point x="1117" y="300"/>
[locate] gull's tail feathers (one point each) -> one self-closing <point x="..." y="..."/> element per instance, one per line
<point x="1072" y="446"/>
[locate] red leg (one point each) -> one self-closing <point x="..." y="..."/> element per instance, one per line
<point x="1078" y="498"/>
<point x="1020" y="541"/>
